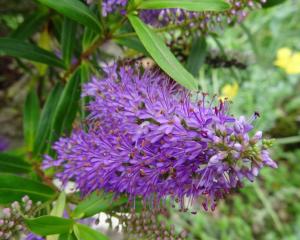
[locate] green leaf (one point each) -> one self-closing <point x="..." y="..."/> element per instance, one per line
<point x="83" y="232"/>
<point x="191" y="5"/>
<point x="59" y="206"/>
<point x="85" y="76"/>
<point x="68" y="39"/>
<point x="272" y="3"/>
<point x="49" y="225"/>
<point x="197" y="55"/>
<point x="133" y="43"/>
<point x="17" y="48"/>
<point x="88" y="38"/>
<point x="44" y="125"/>
<point x="10" y="163"/>
<point x="96" y="203"/>
<point x="31" y="117"/>
<point x="67" y="108"/>
<point x="13" y="188"/>
<point x="76" y="10"/>
<point x="58" y="211"/>
<point x="30" y="25"/>
<point x="161" y="54"/>
<point x="67" y="236"/>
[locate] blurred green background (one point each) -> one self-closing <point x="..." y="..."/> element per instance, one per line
<point x="266" y="209"/>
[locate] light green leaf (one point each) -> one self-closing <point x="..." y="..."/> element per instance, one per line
<point x="16" y="48"/>
<point x="76" y="10"/>
<point x="58" y="211"/>
<point x="96" y="203"/>
<point x="49" y="225"/>
<point x="162" y="55"/>
<point x="83" y="232"/>
<point x="191" y="5"/>
<point x="13" y="188"/>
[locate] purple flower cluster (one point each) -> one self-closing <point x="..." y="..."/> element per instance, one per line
<point x="147" y="137"/>
<point x="205" y="20"/>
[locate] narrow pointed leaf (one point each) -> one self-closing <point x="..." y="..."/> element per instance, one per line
<point x="96" y="203"/>
<point x="76" y="10"/>
<point x="84" y="232"/>
<point x="191" y="5"/>
<point x="68" y="39"/>
<point x="49" y="225"/>
<point x="13" y="188"/>
<point x="31" y="118"/>
<point x="197" y="55"/>
<point x="47" y="115"/>
<point x="162" y="54"/>
<point x="67" y="107"/>
<point x="16" y="48"/>
<point x="10" y="163"/>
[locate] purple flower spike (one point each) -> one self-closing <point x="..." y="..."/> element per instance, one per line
<point x="146" y="137"/>
<point x="3" y="144"/>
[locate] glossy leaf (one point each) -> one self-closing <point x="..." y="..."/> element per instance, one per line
<point x="197" y="55"/>
<point x="68" y="39"/>
<point x="10" y="163"/>
<point x="66" y="109"/>
<point x="31" y="118"/>
<point x="13" y="188"/>
<point x="49" y="225"/>
<point x="96" y="203"/>
<point x="161" y="54"/>
<point x="84" y="232"/>
<point x="191" y="5"/>
<point x="76" y="10"/>
<point x="47" y="115"/>
<point x="67" y="236"/>
<point x="17" y="48"/>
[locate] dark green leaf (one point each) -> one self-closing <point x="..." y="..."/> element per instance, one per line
<point x="68" y="39"/>
<point x="16" y="48"/>
<point x="31" y="118"/>
<point x="272" y="3"/>
<point x="13" y="188"/>
<point x="83" y="232"/>
<point x="43" y="130"/>
<point x="197" y="55"/>
<point x="133" y="43"/>
<point x="161" y="54"/>
<point x="10" y="163"/>
<point x="85" y="76"/>
<point x="67" y="108"/>
<point x="30" y="25"/>
<point x="96" y="203"/>
<point x="49" y="225"/>
<point x="75" y="10"/>
<point x="191" y="5"/>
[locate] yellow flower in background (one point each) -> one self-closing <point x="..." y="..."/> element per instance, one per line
<point x="229" y="91"/>
<point x="288" y="60"/>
